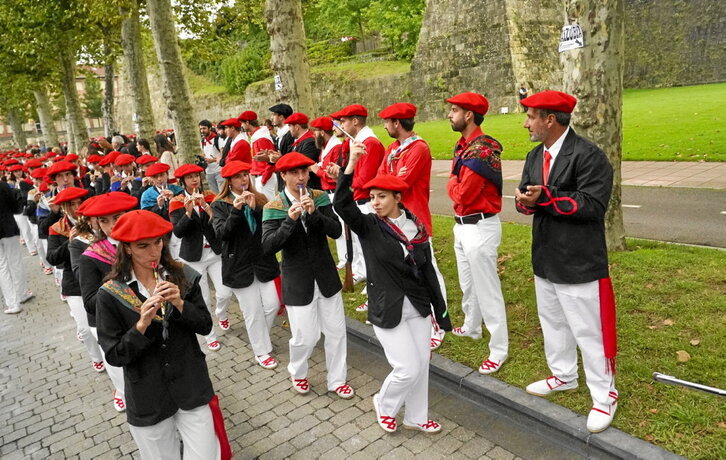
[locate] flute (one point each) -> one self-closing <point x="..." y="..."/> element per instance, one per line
<point x="154" y="267"/>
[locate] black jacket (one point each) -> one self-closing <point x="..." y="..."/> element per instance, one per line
<point x="8" y="206"/>
<point x="192" y="231"/>
<point x="306" y="257"/>
<point x="308" y="148"/>
<point x="91" y="273"/>
<point x="59" y="256"/>
<point x="570" y="249"/>
<point x="390" y="278"/>
<point x="161" y="377"/>
<point x="242" y="257"/>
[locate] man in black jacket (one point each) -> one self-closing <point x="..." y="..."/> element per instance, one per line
<point x="304" y="143"/>
<point x="298" y="222"/>
<point x="12" y="273"/>
<point x="566" y="185"/>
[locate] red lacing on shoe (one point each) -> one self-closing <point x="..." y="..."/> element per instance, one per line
<point x="601" y="411"/>
<point x="302" y="384"/>
<point x="490" y="365"/>
<point x="430" y="425"/>
<point x="98" y="365"/>
<point x="213" y="344"/>
<point x="613" y="395"/>
<point x="269" y="361"/>
<point x="458" y="330"/>
<point x="390" y="422"/>
<point x="362" y="307"/>
<point x="558" y="383"/>
<point x="119" y="402"/>
<point x="224" y="324"/>
<point x="344" y="389"/>
<point x="435" y="342"/>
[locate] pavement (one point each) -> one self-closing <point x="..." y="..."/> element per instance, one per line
<point x="53" y="405"/>
<point x="642" y="173"/>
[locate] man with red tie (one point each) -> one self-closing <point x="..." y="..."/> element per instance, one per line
<point x="566" y="185"/>
<point x="475" y="187"/>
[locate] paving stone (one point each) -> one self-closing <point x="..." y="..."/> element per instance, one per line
<point x="476" y="447"/>
<point x="500" y="454"/>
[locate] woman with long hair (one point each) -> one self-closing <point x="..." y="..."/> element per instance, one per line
<point x="94" y="263"/>
<point x="148" y="314"/>
<point x="199" y="247"/>
<point x="59" y="236"/>
<point x="402" y="287"/>
<point x="167" y="153"/>
<point x="246" y="270"/>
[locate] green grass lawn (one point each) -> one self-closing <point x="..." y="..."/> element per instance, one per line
<point x="670" y="298"/>
<point x="667" y="124"/>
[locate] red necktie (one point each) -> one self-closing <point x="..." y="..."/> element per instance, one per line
<point x="546" y="167"/>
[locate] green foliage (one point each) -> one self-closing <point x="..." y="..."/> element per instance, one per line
<point x="398" y="22"/>
<point x="245" y="67"/>
<point x="327" y="52"/>
<point x="93" y="96"/>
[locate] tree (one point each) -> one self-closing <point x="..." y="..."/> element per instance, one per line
<point x="74" y="115"/>
<point x="289" y="60"/>
<point x="176" y="91"/>
<point x="594" y="74"/>
<point x="93" y="98"/>
<point x="143" y="116"/>
<point x="16" y="125"/>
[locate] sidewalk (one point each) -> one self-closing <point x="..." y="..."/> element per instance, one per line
<point x="642" y="173"/>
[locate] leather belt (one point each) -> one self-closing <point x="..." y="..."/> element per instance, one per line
<point x="472" y="218"/>
<point x="363" y="201"/>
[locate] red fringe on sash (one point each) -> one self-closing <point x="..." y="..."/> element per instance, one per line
<point x="607" y="319"/>
<point x="218" y="418"/>
<point x="278" y="288"/>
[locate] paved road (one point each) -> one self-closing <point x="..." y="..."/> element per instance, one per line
<point x="682" y="215"/>
<point x="53" y="405"/>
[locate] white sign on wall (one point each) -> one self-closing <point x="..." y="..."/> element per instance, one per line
<point x="571" y="37"/>
<point x="278" y="82"/>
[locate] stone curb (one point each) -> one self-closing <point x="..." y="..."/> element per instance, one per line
<point x="528" y="408"/>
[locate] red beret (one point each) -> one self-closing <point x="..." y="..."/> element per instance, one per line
<point x="247" y="115"/>
<point x="11" y="162"/>
<point x="81" y="211"/>
<point x="59" y="158"/>
<point x="156" y="168"/>
<point x="39" y="173"/>
<point x="399" y="110"/>
<point x="108" y="203"/>
<point x="69" y="194"/>
<point x="51" y="154"/>
<point x="234" y="167"/>
<point x="71" y="157"/>
<point x="34" y="163"/>
<point x="93" y="158"/>
<point x="324" y="123"/>
<point x="471" y="101"/>
<point x="15" y="168"/>
<point x="297" y="118"/>
<point x="146" y="159"/>
<point x="109" y="158"/>
<point x="387" y="182"/>
<point x="354" y="110"/>
<point x="187" y="169"/>
<point x="551" y="100"/>
<point x="139" y="225"/>
<point x="232" y="122"/>
<point x="60" y="167"/>
<point x="336" y="115"/>
<point x="43" y="187"/>
<point x="293" y="160"/>
<point x="123" y="159"/>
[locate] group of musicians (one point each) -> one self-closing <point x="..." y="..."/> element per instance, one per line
<point x="134" y="261"/>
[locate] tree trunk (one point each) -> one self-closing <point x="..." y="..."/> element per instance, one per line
<point x="74" y="114"/>
<point x="70" y="134"/>
<point x="594" y="74"/>
<point x="46" y="118"/>
<point x="289" y="58"/>
<point x="142" y="116"/>
<point x="176" y="90"/>
<point x="17" y="126"/>
<point x="109" y="125"/>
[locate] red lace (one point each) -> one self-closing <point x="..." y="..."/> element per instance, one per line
<point x="224" y="324"/>
<point x="344" y="389"/>
<point x="98" y="365"/>
<point x="390" y="422"/>
<point x="430" y="425"/>
<point x="488" y="365"/>
<point x="269" y="361"/>
<point x="302" y="384"/>
<point x="119" y="402"/>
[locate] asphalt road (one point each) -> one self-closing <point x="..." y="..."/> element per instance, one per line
<point x="681" y="215"/>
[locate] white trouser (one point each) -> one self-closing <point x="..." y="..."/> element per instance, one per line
<point x="75" y="303"/>
<point x="407" y="350"/>
<point x="174" y="247"/>
<point x="116" y="374"/>
<point x="476" y="246"/>
<point x="214" y="178"/>
<point x="12" y="272"/>
<point x="210" y="266"/>
<point x="161" y="441"/>
<point x="24" y="226"/>
<point x="306" y="322"/>
<point x="340" y="246"/>
<point x="38" y="245"/>
<point x="259" y="304"/>
<point x="570" y="318"/>
<point x="269" y="189"/>
<point x="359" y="263"/>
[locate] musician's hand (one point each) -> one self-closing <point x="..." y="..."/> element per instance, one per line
<point x="160" y="200"/>
<point x="530" y="197"/>
<point x="249" y="198"/>
<point x="189" y="206"/>
<point x="168" y="194"/>
<point x="145" y="181"/>
<point x="37" y="196"/>
<point x="263" y="155"/>
<point x="294" y="212"/>
<point x="73" y="233"/>
<point x="333" y="170"/>
<point x="148" y="311"/>
<point x="308" y="204"/>
<point x="274" y="156"/>
<point x="170" y="293"/>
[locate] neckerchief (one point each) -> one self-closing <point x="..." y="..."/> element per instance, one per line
<point x="392" y="229"/>
<point x="101" y="250"/>
<point x="249" y="216"/>
<point x="483" y="156"/>
<point x="400" y="149"/>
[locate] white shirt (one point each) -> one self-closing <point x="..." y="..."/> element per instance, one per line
<point x="237" y="138"/>
<point x="332" y="142"/>
<point x="407" y="227"/>
<point x="294" y="201"/>
<point x="142" y="289"/>
<point x="364" y="134"/>
<point x="554" y="149"/>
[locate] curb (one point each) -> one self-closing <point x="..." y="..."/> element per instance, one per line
<point x="526" y="408"/>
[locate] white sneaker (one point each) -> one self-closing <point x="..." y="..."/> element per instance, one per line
<point x="12" y="311"/>
<point x="118" y="403"/>
<point x="548" y="385"/>
<point x="491" y="366"/>
<point x="461" y="332"/>
<point x="601" y="415"/>
<point x="362" y="307"/>
<point x="214" y="345"/>
<point x="266" y="361"/>
<point x="388" y="424"/>
<point x="27" y="296"/>
<point x="429" y="427"/>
